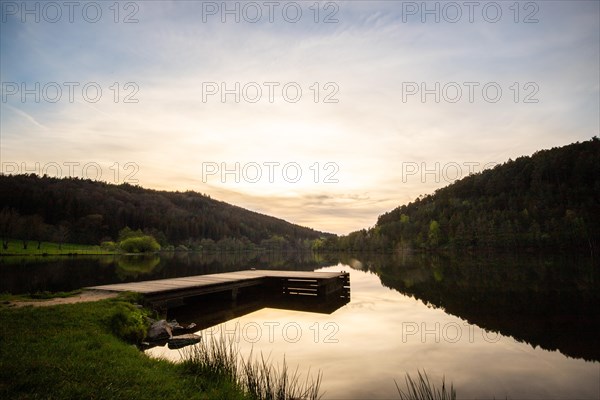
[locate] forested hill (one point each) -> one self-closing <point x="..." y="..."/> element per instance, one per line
<point x="550" y="200"/>
<point x="85" y="211"/>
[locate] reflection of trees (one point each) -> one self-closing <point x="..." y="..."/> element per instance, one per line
<point x="548" y="302"/>
<point x="55" y="273"/>
<point x="235" y="261"/>
<point x="133" y="266"/>
<point x="60" y="273"/>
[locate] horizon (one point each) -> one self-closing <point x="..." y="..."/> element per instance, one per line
<point x="325" y="115"/>
<point x="275" y="216"/>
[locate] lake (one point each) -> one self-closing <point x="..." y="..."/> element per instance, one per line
<point x="503" y="327"/>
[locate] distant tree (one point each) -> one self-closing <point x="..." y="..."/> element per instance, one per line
<point x="139" y="244"/>
<point x="89" y="228"/>
<point x="275" y="243"/>
<point x="108" y="245"/>
<point x="317" y="244"/>
<point x="127" y="233"/>
<point x="31" y="227"/>
<point x="548" y="200"/>
<point x="25" y="229"/>
<point x="405" y="219"/>
<point x="9" y="219"/>
<point x="38" y="229"/>
<point x="208" y="245"/>
<point x="61" y="234"/>
<point x="96" y="210"/>
<point x="160" y="237"/>
<point x="229" y="244"/>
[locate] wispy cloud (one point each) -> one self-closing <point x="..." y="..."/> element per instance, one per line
<point x="27" y="117"/>
<point x="367" y="57"/>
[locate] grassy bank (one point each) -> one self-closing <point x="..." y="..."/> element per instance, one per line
<point x="15" y="248"/>
<point x="70" y="351"/>
<point x="84" y="350"/>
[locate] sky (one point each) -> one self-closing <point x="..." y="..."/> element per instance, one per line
<point x="326" y="114"/>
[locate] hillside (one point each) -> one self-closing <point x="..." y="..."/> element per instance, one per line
<point x="550" y="200"/>
<point x="85" y="211"/>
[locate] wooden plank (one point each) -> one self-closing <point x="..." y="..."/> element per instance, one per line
<point x="298" y="274"/>
<point x="290" y="282"/>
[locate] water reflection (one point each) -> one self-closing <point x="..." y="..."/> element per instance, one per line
<point x="20" y="275"/>
<point x="547" y="302"/>
<point x="132" y="266"/>
<point x="209" y="311"/>
<point x="381" y="334"/>
<point x="491" y="325"/>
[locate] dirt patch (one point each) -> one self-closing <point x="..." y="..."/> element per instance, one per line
<point x="85" y="296"/>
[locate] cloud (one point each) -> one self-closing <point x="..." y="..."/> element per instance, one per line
<point x="367" y="58"/>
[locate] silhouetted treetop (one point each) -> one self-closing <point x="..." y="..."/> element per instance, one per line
<point x="550" y="200"/>
<point x="91" y="212"/>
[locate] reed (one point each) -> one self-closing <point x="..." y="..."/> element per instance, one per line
<point x="423" y="389"/>
<point x="220" y="357"/>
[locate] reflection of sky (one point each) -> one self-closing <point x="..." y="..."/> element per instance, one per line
<point x="371" y="349"/>
<point x="369" y="54"/>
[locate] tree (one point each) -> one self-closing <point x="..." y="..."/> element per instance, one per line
<point x="96" y="210"/>
<point x="434" y="233"/>
<point x="275" y="243"/>
<point x="9" y="219"/>
<point x="38" y="229"/>
<point x="317" y="244"/>
<point x="208" y="245"/>
<point x="127" y="233"/>
<point x="61" y="234"/>
<point x="139" y="244"/>
<point x="548" y="200"/>
<point x="89" y="228"/>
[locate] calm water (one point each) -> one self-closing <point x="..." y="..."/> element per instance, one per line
<point x="508" y="327"/>
<point x="20" y="275"/>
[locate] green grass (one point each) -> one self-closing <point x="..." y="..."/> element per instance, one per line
<point x="15" y="247"/>
<point x="69" y="351"/>
<point x="79" y="351"/>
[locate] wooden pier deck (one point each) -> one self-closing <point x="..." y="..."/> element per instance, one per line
<point x="174" y="291"/>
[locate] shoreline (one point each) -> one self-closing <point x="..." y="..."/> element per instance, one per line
<point x="83" y="297"/>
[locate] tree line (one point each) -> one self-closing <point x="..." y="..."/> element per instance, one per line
<point x="41" y="208"/>
<point x="550" y="201"/>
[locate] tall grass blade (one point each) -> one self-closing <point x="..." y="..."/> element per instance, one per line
<point x="258" y="377"/>
<point x="423" y="389"/>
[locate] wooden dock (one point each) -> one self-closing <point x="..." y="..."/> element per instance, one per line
<point x="173" y="292"/>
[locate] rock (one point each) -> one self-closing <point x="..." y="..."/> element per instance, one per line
<point x="175" y="325"/>
<point x="177" y="342"/>
<point x="178" y="329"/>
<point x="159" y="330"/>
